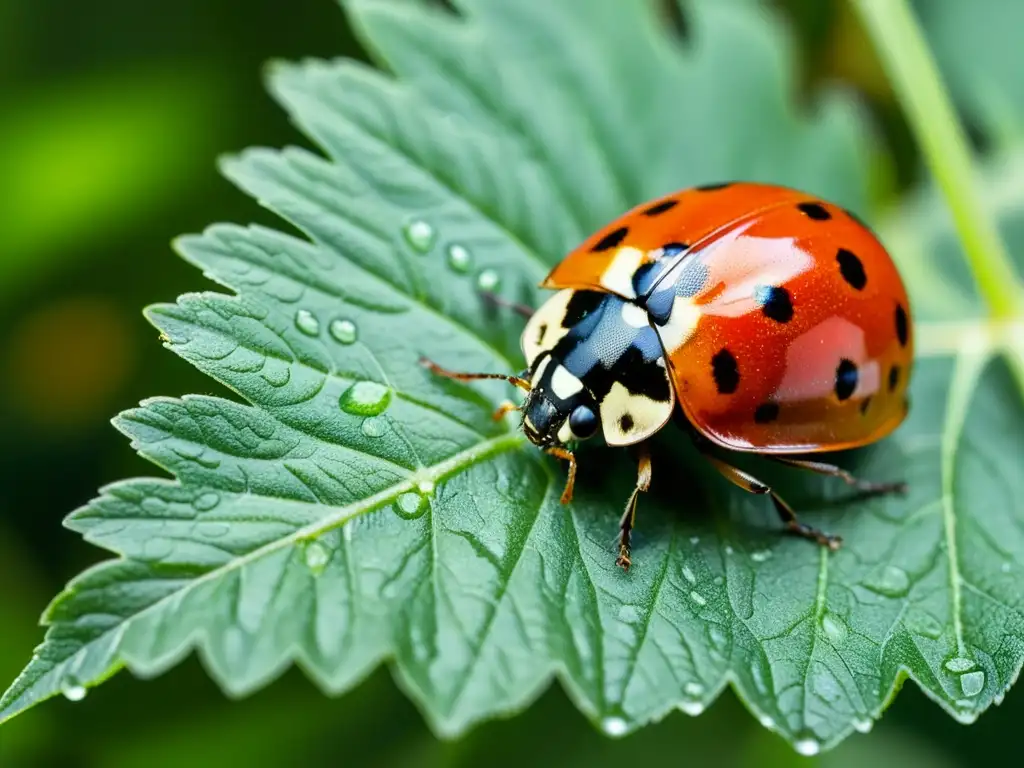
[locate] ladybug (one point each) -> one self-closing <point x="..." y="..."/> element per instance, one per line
<point x="773" y="320"/>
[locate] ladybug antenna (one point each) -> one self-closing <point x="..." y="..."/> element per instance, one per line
<point x="435" y="368"/>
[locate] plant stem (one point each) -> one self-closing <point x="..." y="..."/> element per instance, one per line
<point x="919" y="87"/>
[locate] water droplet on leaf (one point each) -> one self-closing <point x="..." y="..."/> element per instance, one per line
<point x="688" y="574"/>
<point x="213" y="530"/>
<point x="306" y="322"/>
<point x="316" y="557"/>
<point x="698" y="598"/>
<point x="835" y="628"/>
<point x="374" y="427"/>
<point x="892" y="582"/>
<point x="426" y="486"/>
<point x="972" y="683"/>
<point x="693" y="689"/>
<point x="489" y="280"/>
<point x="767" y="722"/>
<point x="206" y="502"/>
<point x="761" y="555"/>
<point x="692" y="708"/>
<point x="410" y="506"/>
<point x="959" y="664"/>
<point x="863" y="724"/>
<point x="629" y="614"/>
<point x="420" y="235"/>
<point x="614" y="726"/>
<point x="72" y="689"/>
<point x="365" y="398"/>
<point x="807" y="747"/>
<point x="459" y="259"/>
<point x="343" y="331"/>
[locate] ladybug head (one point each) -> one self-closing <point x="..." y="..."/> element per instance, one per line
<point x="558" y="408"/>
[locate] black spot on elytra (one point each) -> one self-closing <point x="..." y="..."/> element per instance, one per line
<point x="846" y="379"/>
<point x="814" y="211"/>
<point x="766" y="413"/>
<point x="901" y="325"/>
<point x="777" y="305"/>
<point x="659" y="208"/>
<point x="625" y="422"/>
<point x="894" y="378"/>
<point x="726" y="372"/>
<point x="668" y="250"/>
<point x="580" y="305"/>
<point x="610" y="240"/>
<point x="713" y="187"/>
<point x="865" y="404"/>
<point x="851" y="268"/>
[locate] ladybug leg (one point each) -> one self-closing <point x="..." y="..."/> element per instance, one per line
<point x="751" y="484"/>
<point x="643" y="483"/>
<point x="504" y="408"/>
<point x="833" y="471"/>
<point x="570" y="481"/>
<point x="435" y="368"/>
<point x="498" y="301"/>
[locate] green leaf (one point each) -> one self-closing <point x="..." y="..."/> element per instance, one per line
<point x="977" y="46"/>
<point x="355" y="509"/>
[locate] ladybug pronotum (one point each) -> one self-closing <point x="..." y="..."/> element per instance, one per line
<point x="774" y="320"/>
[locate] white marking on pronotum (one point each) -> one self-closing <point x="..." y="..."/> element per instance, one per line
<point x="682" y="322"/>
<point x="540" y="371"/>
<point x="618" y="277"/>
<point x="544" y="329"/>
<point x="565" y="434"/>
<point x="563" y="384"/>
<point x="634" y="316"/>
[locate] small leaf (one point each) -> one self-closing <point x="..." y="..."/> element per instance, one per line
<point x="355" y="508"/>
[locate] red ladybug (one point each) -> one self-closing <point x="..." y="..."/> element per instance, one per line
<point x="773" y="319"/>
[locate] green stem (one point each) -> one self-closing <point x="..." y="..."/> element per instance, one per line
<point x="918" y="85"/>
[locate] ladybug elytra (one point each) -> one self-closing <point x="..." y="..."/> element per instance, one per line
<point x="774" y="320"/>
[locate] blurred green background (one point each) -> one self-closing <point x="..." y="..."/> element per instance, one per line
<point x="111" y="116"/>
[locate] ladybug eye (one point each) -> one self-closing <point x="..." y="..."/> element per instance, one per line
<point x="583" y="422"/>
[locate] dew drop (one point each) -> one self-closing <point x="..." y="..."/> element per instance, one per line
<point x="692" y="708"/>
<point x="420" y="235"/>
<point x="629" y="614"/>
<point x="766" y="722"/>
<point x="410" y="506"/>
<point x="206" y="502"/>
<point x="306" y="322"/>
<point x="863" y="724"/>
<point x="489" y="280"/>
<point x="614" y="726"/>
<point x="459" y="259"/>
<point x="718" y="637"/>
<point x="835" y="628"/>
<point x="688" y="575"/>
<point x="761" y="555"/>
<point x="728" y="549"/>
<point x="316" y="557"/>
<point x="959" y="664"/>
<point x="1005" y="567"/>
<point x="157" y="548"/>
<point x="374" y="427"/>
<point x="807" y="747"/>
<point x="893" y="582"/>
<point x="426" y="486"/>
<point x="72" y="689"/>
<point x="972" y="683"/>
<point x="695" y="540"/>
<point x="343" y="331"/>
<point x="213" y="530"/>
<point x="719" y="581"/>
<point x="365" y="398"/>
<point x="693" y="689"/>
<point x="923" y="623"/>
<point x="698" y="598"/>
